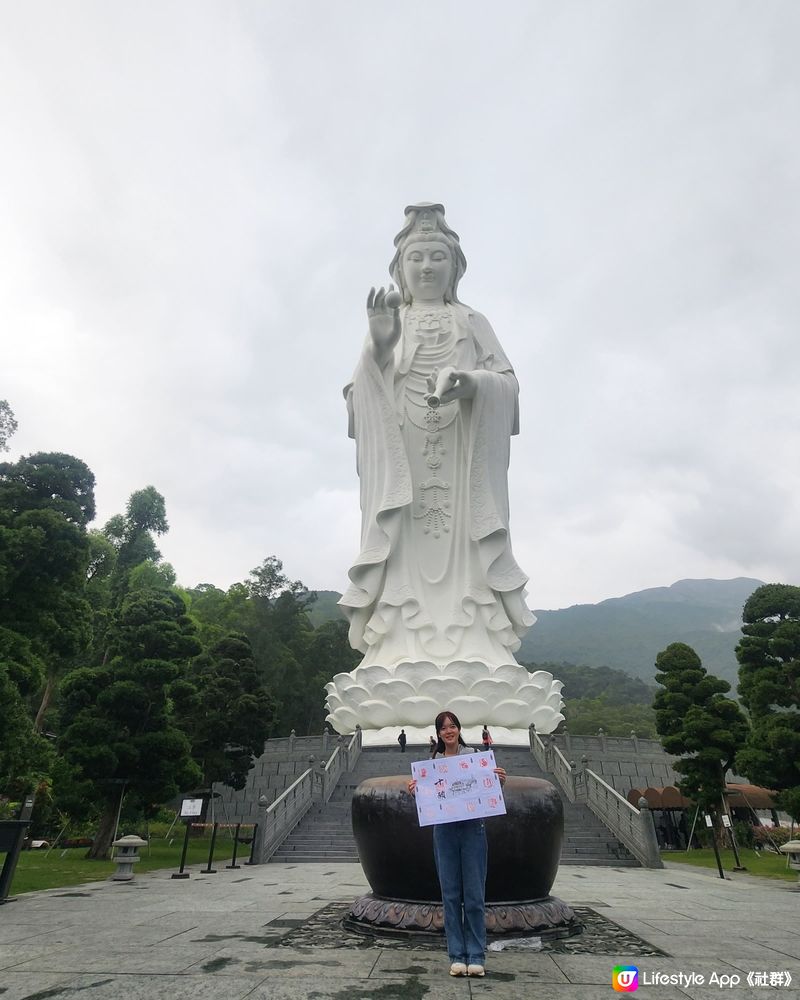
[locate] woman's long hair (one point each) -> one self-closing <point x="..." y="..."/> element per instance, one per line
<point x="438" y="723"/>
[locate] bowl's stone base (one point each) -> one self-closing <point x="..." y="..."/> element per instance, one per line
<point x="548" y="917"/>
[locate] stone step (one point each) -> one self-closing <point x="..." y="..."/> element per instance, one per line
<point x="601" y="862"/>
<point x="325" y="833"/>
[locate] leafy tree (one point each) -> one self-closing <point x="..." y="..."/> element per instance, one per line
<point x="8" y="424"/>
<point x="769" y="686"/>
<point x="271" y="610"/>
<point x="99" y="573"/>
<point x="329" y="653"/>
<point x="584" y="716"/>
<point x="268" y="582"/>
<point x="52" y="481"/>
<point x="46" y="501"/>
<point x="581" y="681"/>
<point x="224" y="708"/>
<point x="215" y="612"/>
<point x="132" y="536"/>
<point x="120" y="734"/>
<point x="697" y="722"/>
<point x="151" y="576"/>
<point x="25" y="756"/>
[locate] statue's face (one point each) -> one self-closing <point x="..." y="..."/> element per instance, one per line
<point x="427" y="269"/>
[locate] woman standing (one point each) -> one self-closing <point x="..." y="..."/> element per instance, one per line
<point x="461" y="856"/>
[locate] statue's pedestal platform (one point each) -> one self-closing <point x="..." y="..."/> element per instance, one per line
<point x="420" y="736"/>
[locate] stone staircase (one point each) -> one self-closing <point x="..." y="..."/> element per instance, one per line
<point x="586" y="840"/>
<point x="325" y="832"/>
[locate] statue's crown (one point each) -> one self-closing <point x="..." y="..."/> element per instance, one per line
<point x="422" y="220"/>
<point x="426" y="221"/>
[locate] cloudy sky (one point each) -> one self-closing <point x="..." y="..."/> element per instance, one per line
<point x="195" y="198"/>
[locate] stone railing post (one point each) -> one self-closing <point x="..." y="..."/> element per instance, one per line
<point x="531" y="735"/>
<point x="635" y="741"/>
<point x="584" y="766"/>
<point x="573" y="779"/>
<point x="649" y="835"/>
<point x="579" y="779"/>
<point x="291" y="740"/>
<point x="602" y="734"/>
<point x="567" y="741"/>
<point x="260" y="834"/>
<point x="317" y="777"/>
<point x="324" y="740"/>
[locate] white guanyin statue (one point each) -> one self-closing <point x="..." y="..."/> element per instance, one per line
<point x="436" y="600"/>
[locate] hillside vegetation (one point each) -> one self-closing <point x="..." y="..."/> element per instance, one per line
<point x="628" y="632"/>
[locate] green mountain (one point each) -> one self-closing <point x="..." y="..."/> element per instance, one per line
<point x="325" y="608"/>
<point x="627" y="632"/>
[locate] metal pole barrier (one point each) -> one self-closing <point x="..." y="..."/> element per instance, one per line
<point x="235" y="848"/>
<point x="180" y="873"/>
<point x="250" y="860"/>
<point x="726" y="812"/>
<point x="208" y="870"/>
<point x="12" y="836"/>
<point x="712" y="829"/>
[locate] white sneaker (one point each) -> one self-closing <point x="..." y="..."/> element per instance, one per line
<point x="476" y="970"/>
<point x="458" y="969"/>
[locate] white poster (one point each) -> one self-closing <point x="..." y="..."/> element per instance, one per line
<point x="191" y="807"/>
<point x="450" y="789"/>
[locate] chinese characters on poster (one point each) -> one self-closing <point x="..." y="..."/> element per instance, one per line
<point x="450" y="789"/>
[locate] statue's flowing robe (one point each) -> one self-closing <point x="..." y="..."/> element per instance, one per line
<point x="435" y="579"/>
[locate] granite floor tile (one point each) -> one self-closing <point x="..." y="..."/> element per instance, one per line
<point x="596" y="969"/>
<point x="164" y="961"/>
<point x="489" y="989"/>
<point x="142" y="987"/>
<point x="405" y="988"/>
<point x="27" y="953"/>
<point x="288" y="963"/>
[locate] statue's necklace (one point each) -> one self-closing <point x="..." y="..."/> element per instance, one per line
<point x="429" y="324"/>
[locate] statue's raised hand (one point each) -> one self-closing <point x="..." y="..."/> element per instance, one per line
<point x="383" y="313"/>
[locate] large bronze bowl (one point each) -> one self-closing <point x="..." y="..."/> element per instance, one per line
<point x="397" y="854"/>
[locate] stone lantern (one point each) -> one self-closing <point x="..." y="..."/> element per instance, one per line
<point x="792" y="848"/>
<point x="126" y="857"/>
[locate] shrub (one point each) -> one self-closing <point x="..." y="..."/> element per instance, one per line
<point x="769" y="837"/>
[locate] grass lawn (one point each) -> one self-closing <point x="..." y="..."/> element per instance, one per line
<point x="40" y="870"/>
<point x="756" y="862"/>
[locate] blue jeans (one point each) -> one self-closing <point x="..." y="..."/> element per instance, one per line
<point x="460" y="852"/>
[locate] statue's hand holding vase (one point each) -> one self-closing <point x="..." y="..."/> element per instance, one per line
<point x="451" y="384"/>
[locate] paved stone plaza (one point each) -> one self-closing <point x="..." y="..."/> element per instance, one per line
<point x="255" y="933"/>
